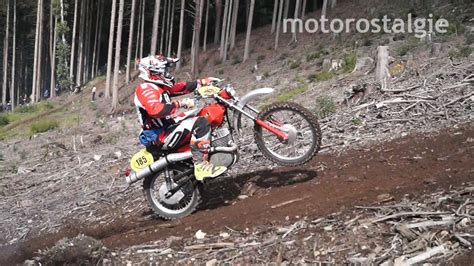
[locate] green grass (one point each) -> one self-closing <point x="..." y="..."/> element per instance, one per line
<point x="291" y="93"/>
<point x="325" y="106"/>
<point x="43" y="126"/>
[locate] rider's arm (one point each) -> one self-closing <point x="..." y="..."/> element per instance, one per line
<point x="181" y="88"/>
<point x="153" y="105"/>
<point x="184" y="87"/>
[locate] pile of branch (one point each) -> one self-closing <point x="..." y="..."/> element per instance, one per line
<point x="432" y="229"/>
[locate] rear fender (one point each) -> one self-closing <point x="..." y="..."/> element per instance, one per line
<point x="247" y="98"/>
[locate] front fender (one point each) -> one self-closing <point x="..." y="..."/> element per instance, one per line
<point x="247" y="98"/>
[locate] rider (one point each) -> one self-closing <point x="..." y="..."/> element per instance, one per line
<point x="157" y="114"/>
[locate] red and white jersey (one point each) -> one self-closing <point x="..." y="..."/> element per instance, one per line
<point x="154" y="105"/>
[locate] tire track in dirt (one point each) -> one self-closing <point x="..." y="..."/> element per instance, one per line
<point x="419" y="163"/>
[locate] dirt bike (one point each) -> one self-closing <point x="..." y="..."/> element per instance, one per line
<point x="286" y="133"/>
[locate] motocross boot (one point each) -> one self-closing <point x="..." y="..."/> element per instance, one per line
<point x="206" y="169"/>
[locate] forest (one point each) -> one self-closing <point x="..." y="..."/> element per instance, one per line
<point x="55" y="46"/>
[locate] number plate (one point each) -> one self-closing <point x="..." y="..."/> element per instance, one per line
<point x="141" y="160"/>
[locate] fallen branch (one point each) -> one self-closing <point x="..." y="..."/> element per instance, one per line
<point x="210" y="246"/>
<point x="460" y="98"/>
<point x="403" y="214"/>
<point x="287" y="202"/>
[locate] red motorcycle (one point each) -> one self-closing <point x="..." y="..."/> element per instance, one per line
<point x="285" y="132"/>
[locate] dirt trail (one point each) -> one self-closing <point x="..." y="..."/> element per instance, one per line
<point x="412" y="164"/>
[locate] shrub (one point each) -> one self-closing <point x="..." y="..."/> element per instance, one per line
<point x="294" y="65"/>
<point x="356" y="121"/>
<point x="462" y="52"/>
<point x="350" y="62"/>
<point x="4" y="120"/>
<point x="43" y="126"/>
<point x="325" y="75"/>
<point x="313" y="56"/>
<point x="408" y="46"/>
<point x="325" y="106"/>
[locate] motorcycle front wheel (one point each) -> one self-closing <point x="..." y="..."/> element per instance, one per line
<point x="302" y="128"/>
<point x="181" y="204"/>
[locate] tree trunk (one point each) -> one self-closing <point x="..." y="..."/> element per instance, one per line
<point x="87" y="39"/>
<point x="224" y="29"/>
<point x="381" y="72"/>
<point x="96" y="37"/>
<point x="180" y="37"/>
<point x="130" y="42"/>
<point x="137" y="38"/>
<point x="287" y="9"/>
<point x="228" y="30"/>
<point x="217" y="28"/>
<point x="325" y="7"/>
<point x="333" y="3"/>
<point x="39" y="84"/>
<point x="277" y="35"/>
<point x="13" y="78"/>
<point x="303" y="10"/>
<point x="154" y="33"/>
<point x="96" y="65"/>
<point x="53" y="29"/>
<point x="235" y="12"/>
<point x="296" y="15"/>
<point x="274" y="18"/>
<point x="35" y="57"/>
<point x="111" y="49"/>
<point x="73" y="43"/>
<point x="249" y="30"/>
<point x="117" y="57"/>
<point x="197" y="31"/>
<point x="5" y="58"/>
<point x="142" y="30"/>
<point x="204" y="48"/>
<point x="170" y="39"/>
<point x="80" y="48"/>
<point x="163" y="24"/>
<point x="63" y="37"/>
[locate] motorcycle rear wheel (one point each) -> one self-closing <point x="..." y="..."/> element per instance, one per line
<point x="298" y="119"/>
<point x="183" y="203"/>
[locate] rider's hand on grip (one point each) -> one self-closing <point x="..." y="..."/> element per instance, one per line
<point x="186" y="103"/>
<point x="210" y="81"/>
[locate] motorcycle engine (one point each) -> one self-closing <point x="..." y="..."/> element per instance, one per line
<point x="221" y="138"/>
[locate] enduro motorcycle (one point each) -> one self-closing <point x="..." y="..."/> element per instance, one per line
<point x="286" y="133"/>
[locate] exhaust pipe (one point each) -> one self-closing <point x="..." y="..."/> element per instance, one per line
<point x="158" y="166"/>
<point x="170" y="158"/>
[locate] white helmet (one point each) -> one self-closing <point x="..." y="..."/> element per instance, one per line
<point x="155" y="69"/>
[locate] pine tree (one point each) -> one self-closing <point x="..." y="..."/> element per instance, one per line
<point x="5" y="57"/>
<point x="130" y="41"/>
<point x="154" y="34"/>
<point x="117" y="57"/>
<point x="111" y="49"/>
<point x="181" y="29"/>
<point x="249" y="30"/>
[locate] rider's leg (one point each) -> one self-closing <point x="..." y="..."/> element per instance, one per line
<point x="200" y="144"/>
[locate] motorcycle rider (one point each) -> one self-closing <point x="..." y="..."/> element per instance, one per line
<point x="157" y="114"/>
